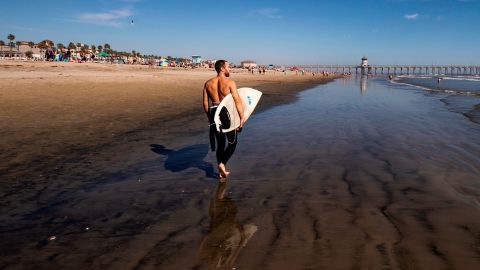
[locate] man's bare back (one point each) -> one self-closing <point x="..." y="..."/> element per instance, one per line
<point x="214" y="91"/>
<point x="217" y="88"/>
<point x="220" y="86"/>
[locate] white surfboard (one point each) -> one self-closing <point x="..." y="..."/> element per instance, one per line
<point x="249" y="97"/>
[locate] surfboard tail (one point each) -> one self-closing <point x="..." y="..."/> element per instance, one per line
<point x="249" y="97"/>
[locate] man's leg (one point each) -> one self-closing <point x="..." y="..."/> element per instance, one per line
<point x="221" y="154"/>
<point x="231" y="145"/>
<point x="213" y="129"/>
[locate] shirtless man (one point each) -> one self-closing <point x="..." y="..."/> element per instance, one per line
<point x="215" y="90"/>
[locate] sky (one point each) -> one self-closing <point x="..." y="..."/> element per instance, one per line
<point x="306" y="32"/>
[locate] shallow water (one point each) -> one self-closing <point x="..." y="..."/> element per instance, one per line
<point x="467" y="85"/>
<point x="363" y="174"/>
<point x="359" y="173"/>
<point x="462" y="93"/>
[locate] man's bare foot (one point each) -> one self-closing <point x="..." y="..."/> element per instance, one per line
<point x="223" y="171"/>
<point x="224" y="175"/>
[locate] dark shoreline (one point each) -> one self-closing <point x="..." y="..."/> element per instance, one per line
<point x="272" y="97"/>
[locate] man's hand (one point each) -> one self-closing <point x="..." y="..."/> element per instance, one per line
<point x="242" y="122"/>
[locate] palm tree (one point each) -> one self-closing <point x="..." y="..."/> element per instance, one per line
<point x="44" y="44"/>
<point x="107" y="47"/>
<point x="11" y="37"/>
<point x="47" y="42"/>
<point x="2" y="43"/>
<point x="85" y="48"/>
<point x="29" y="54"/>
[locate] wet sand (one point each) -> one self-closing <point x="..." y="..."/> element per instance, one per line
<point x="77" y="143"/>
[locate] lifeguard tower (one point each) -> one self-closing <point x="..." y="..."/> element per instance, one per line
<point x="196" y="60"/>
<point x="364" y="65"/>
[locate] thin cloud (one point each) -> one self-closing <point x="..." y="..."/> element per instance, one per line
<point x="112" y="18"/>
<point x="270" y="13"/>
<point x="411" y="16"/>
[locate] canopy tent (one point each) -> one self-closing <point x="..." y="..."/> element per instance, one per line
<point x="103" y="54"/>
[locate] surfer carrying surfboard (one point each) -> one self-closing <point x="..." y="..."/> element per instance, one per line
<point x="214" y="91"/>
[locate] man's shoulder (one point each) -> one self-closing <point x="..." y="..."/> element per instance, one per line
<point x="211" y="80"/>
<point x="231" y="82"/>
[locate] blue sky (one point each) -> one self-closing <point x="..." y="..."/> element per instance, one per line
<point x="278" y="32"/>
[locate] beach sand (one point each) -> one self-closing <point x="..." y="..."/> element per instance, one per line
<point x="65" y="126"/>
<point x="105" y="170"/>
<point x="53" y="110"/>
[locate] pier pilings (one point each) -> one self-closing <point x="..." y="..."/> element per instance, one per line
<point x="399" y="69"/>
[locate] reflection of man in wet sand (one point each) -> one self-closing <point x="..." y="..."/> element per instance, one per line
<point x="226" y="237"/>
<point x="215" y="90"/>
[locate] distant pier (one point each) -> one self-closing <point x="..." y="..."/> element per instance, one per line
<point x="398" y="69"/>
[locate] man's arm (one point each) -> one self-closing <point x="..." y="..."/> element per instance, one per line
<point x="238" y="102"/>
<point x="205" y="99"/>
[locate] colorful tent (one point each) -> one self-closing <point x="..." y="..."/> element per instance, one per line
<point x="163" y="62"/>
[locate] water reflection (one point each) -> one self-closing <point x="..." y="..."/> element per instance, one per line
<point x="226" y="237"/>
<point x="363" y="84"/>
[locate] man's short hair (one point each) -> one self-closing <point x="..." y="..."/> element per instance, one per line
<point x="219" y="65"/>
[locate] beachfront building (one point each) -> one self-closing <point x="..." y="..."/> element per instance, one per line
<point x="248" y="64"/>
<point x="20" y="51"/>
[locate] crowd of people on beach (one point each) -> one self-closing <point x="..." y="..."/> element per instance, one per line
<point x="298" y="72"/>
<point x="68" y="56"/>
<point x="52" y="54"/>
<point x="81" y="57"/>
